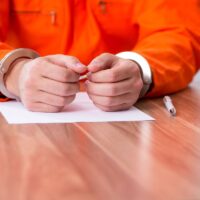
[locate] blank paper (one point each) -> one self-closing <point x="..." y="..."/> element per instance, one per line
<point x="81" y="110"/>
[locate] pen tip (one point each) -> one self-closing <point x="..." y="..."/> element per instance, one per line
<point x="173" y="112"/>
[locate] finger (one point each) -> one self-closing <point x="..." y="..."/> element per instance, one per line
<point x="42" y="107"/>
<point x="53" y="100"/>
<point x="129" y="98"/>
<point x="57" y="88"/>
<point x="57" y="73"/>
<point x="110" y="89"/>
<point x="68" y="61"/>
<point x="114" y="108"/>
<point x="102" y="62"/>
<point x="121" y="71"/>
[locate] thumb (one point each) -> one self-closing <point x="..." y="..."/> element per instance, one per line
<point x="102" y="62"/>
<point x="70" y="62"/>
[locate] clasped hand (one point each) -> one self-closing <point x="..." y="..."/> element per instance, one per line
<point x="47" y="84"/>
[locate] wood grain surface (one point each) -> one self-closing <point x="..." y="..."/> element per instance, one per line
<point x="157" y="160"/>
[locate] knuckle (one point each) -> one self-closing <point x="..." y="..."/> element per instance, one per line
<point x="65" y="76"/>
<point x="109" y="101"/>
<point x="71" y="99"/>
<point x="36" y="64"/>
<point x="127" y="107"/>
<point x="139" y="84"/>
<point x="62" y="101"/>
<point x="39" y="63"/>
<point x="39" y="60"/>
<point x="54" y="109"/>
<point x="43" y="62"/>
<point x="130" y="64"/>
<point x="49" y="109"/>
<point x="107" y="109"/>
<point x="123" y="61"/>
<point x="70" y="75"/>
<point x="136" y="70"/>
<point x="113" y="75"/>
<point x="64" y="90"/>
<point x="68" y="89"/>
<point x="104" y="108"/>
<point x="113" y="90"/>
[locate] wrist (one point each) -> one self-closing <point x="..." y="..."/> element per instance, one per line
<point x="144" y="67"/>
<point x="6" y="65"/>
<point x="12" y="77"/>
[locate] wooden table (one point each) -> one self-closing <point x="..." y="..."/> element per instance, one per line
<point x="157" y="160"/>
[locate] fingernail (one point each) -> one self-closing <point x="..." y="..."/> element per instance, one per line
<point x="80" y="66"/>
<point x="89" y="75"/>
<point x="95" y="63"/>
<point x="94" y="66"/>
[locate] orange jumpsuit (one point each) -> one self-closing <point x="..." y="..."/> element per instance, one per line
<point x="86" y="28"/>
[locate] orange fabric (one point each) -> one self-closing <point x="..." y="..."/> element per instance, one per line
<point x="86" y="28"/>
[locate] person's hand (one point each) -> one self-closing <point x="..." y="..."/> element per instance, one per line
<point x="45" y="84"/>
<point x="113" y="83"/>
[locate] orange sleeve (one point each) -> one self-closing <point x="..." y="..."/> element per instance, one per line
<point x="167" y="44"/>
<point x="4" y="48"/>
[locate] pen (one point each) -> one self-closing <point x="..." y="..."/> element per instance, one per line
<point x="83" y="77"/>
<point x="169" y="105"/>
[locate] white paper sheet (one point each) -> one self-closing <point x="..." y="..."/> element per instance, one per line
<point x="81" y="110"/>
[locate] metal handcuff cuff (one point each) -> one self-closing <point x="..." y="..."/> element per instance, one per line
<point x="6" y="64"/>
